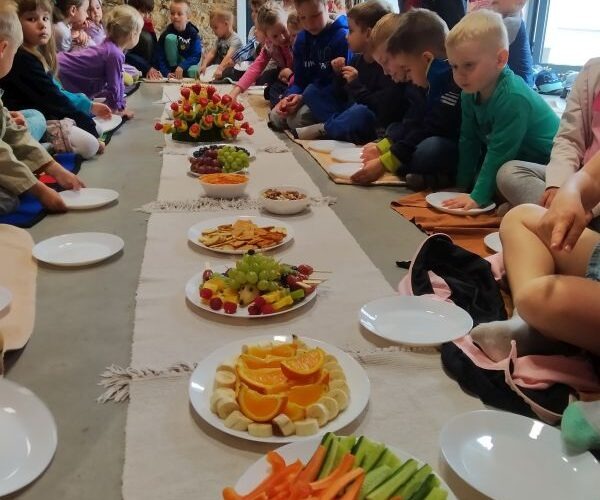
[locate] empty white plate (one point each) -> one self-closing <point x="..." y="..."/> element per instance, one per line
<point x="157" y="80"/>
<point x="493" y="242"/>
<point x="415" y="320"/>
<point x="27" y="437"/>
<point x="5" y="299"/>
<point x="327" y="145"/>
<point x="256" y="90"/>
<point x="436" y="200"/>
<point x="107" y="125"/>
<point x="87" y="198"/>
<point x="349" y="155"/>
<point x="209" y="74"/>
<point x="78" y="249"/>
<point x="510" y="457"/>
<point x="344" y="170"/>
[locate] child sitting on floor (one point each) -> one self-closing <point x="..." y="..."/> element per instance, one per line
<point x="142" y="55"/>
<point x="321" y="40"/>
<point x="179" y="47"/>
<point x="69" y="15"/>
<point x="255" y="39"/>
<point x="226" y="44"/>
<point x="98" y="71"/>
<point x="272" y="20"/>
<point x="425" y="143"/>
<point x="93" y="26"/>
<point x="520" y="59"/>
<point x="501" y="114"/>
<point x="373" y="100"/>
<point x="20" y="154"/>
<point x="31" y="83"/>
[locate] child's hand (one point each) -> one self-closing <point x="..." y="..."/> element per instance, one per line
<point x="349" y="73"/>
<point x="548" y="197"/>
<point x="369" y="152"/>
<point x="202" y="70"/>
<point x="218" y="73"/>
<point x="284" y="75"/>
<point x="49" y="198"/>
<point x="81" y="37"/>
<point x="125" y="113"/>
<point x="294" y="102"/>
<point x="337" y="64"/>
<point x="178" y="72"/>
<point x="462" y="201"/>
<point x="101" y="110"/>
<point x="18" y="118"/>
<point x="370" y="172"/>
<point x="63" y="177"/>
<point x="154" y="74"/>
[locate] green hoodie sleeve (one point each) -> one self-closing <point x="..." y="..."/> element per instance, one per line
<point x="469" y="145"/>
<point x="511" y="119"/>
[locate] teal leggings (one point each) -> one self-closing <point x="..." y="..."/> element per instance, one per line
<point x="173" y="57"/>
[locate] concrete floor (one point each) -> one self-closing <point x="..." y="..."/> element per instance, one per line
<point x="85" y="316"/>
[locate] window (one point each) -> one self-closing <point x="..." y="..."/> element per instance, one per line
<point x="564" y="32"/>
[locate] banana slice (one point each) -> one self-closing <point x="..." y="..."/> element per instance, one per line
<point x="340" y="384"/>
<point x="341" y="398"/>
<point x="331" y="366"/>
<point x="225" y="379"/>
<point x="318" y="411"/>
<point x="284" y="424"/>
<point x="331" y="405"/>
<point x="330" y="358"/>
<point x="218" y="394"/>
<point x="260" y="430"/>
<point x="227" y="366"/>
<point x="307" y="427"/>
<point x="225" y="406"/>
<point x="237" y="421"/>
<point x="337" y="374"/>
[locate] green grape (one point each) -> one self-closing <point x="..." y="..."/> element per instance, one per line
<point x="263" y="285"/>
<point x="241" y="279"/>
<point x="273" y="274"/>
<point x="263" y="275"/>
<point x="273" y="285"/>
<point x="244" y="267"/>
<point x="255" y="266"/>
<point x="252" y="277"/>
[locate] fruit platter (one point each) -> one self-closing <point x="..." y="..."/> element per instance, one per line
<point x="218" y="158"/>
<point x="279" y="388"/>
<point x="256" y="286"/>
<point x="202" y="115"/>
<point x="343" y="467"/>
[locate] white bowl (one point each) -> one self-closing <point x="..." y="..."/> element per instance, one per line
<point x="223" y="190"/>
<point x="284" y="207"/>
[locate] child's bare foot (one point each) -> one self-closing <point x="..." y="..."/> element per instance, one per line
<point x="101" y="148"/>
<point x="49" y="198"/>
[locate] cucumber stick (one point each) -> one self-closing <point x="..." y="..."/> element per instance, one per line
<point x="327" y="466"/>
<point x="388" y="458"/>
<point x="403" y="474"/>
<point x="437" y="493"/>
<point x="373" y="479"/>
<point x="426" y="488"/>
<point x="409" y="488"/>
<point x="372" y="456"/>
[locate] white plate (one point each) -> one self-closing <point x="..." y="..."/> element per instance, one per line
<point x="107" y="125"/>
<point x="5" y="299"/>
<point x="250" y="149"/>
<point x="87" y="198"/>
<point x="344" y="170"/>
<point x="493" y="242"/>
<point x="327" y="145"/>
<point x="303" y="450"/>
<point x="100" y="99"/>
<point x="347" y="155"/>
<point x="436" y="200"/>
<point x="201" y="384"/>
<point x="507" y="456"/>
<point x="192" y="288"/>
<point x="415" y="320"/>
<point x="243" y="66"/>
<point x="256" y="91"/>
<point x="27" y="437"/>
<point x="78" y="249"/>
<point x="157" y="80"/>
<point x="209" y="74"/>
<point x="195" y="231"/>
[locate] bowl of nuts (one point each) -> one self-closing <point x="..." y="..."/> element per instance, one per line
<point x="284" y="200"/>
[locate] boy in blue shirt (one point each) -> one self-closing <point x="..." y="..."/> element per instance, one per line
<point x="320" y="41"/>
<point x="179" y="48"/>
<point x="425" y="143"/>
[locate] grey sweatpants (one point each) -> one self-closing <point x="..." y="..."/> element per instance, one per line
<point x="522" y="182"/>
<point x="302" y="118"/>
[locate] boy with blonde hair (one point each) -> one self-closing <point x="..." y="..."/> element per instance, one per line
<point x="501" y="115"/>
<point x="227" y="43"/>
<point x="20" y="154"/>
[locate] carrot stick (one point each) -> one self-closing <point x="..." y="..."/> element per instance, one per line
<point x="312" y="468"/>
<point x="354" y="489"/>
<point x="345" y="465"/>
<point x="272" y="479"/>
<point x="230" y="494"/>
<point x="337" y="487"/>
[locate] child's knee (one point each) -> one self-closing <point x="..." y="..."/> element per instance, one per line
<point x="527" y="214"/>
<point x="505" y="178"/>
<point x="542" y="299"/>
<point x="171" y="38"/>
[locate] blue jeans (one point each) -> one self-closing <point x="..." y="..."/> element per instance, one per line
<point x="434" y="155"/>
<point x="36" y="123"/>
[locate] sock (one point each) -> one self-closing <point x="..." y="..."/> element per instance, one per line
<point x="580" y="427"/>
<point x="494" y="338"/>
<point x="315" y="131"/>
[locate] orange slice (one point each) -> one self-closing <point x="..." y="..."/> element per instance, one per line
<point x="259" y="407"/>
<point x="262" y="351"/>
<point x="294" y="411"/>
<point x="305" y="395"/>
<point x="264" y="380"/>
<point x="304" y="365"/>
<point x="268" y="361"/>
<point x="321" y="377"/>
